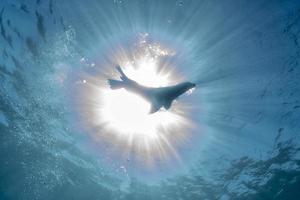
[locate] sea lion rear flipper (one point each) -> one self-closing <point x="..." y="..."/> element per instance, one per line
<point x="115" y="84"/>
<point x="123" y="75"/>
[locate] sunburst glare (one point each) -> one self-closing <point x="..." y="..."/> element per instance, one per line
<point x="121" y="118"/>
<point x="128" y="113"/>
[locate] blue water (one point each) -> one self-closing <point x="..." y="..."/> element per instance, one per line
<point x="243" y="55"/>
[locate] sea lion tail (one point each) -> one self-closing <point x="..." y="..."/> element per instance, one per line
<point x="115" y="84"/>
<point x="123" y="75"/>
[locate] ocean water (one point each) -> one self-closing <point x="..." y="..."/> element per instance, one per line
<point x="239" y="137"/>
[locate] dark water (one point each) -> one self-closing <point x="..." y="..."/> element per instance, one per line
<point x="244" y="56"/>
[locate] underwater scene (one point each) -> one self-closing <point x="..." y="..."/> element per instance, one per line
<point x="149" y="99"/>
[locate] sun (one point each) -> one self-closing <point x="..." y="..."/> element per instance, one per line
<point x="128" y="113"/>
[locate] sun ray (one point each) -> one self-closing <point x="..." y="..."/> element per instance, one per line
<point x="123" y="117"/>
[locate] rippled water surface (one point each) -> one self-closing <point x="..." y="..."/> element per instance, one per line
<point x="236" y="136"/>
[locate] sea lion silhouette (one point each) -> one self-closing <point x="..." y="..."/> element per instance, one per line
<point x="157" y="96"/>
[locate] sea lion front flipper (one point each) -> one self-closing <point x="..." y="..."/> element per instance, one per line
<point x="155" y="106"/>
